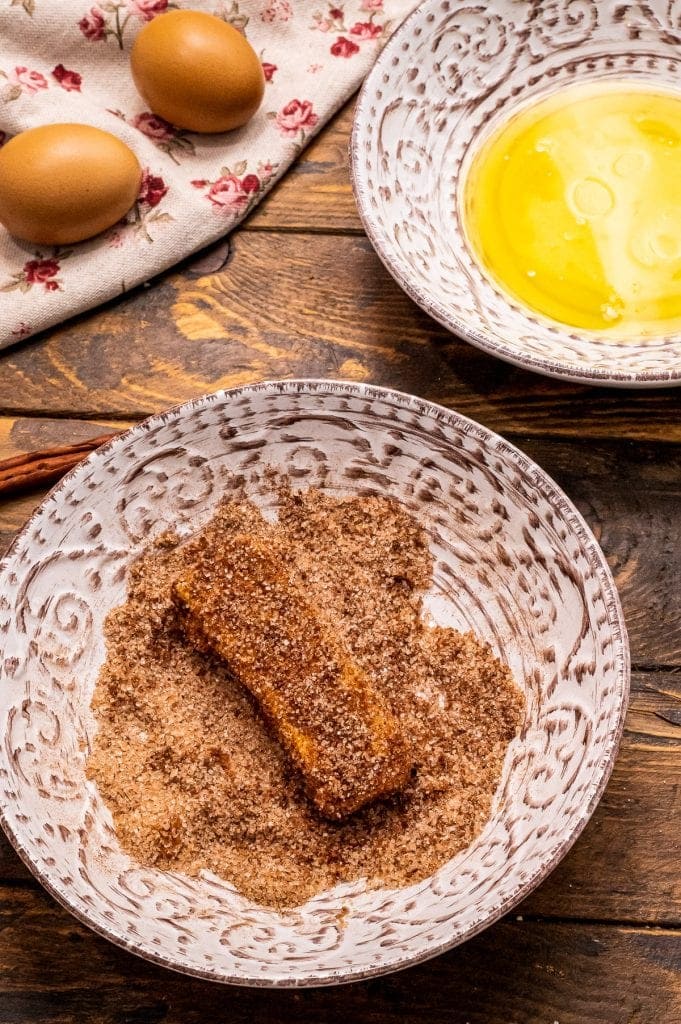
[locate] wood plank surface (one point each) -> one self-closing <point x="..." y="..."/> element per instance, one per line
<point x="53" y="970"/>
<point x="18" y="436"/>
<point x="308" y="305"/>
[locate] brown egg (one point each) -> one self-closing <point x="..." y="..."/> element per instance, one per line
<point x="197" y="72"/>
<point x="65" y="182"/>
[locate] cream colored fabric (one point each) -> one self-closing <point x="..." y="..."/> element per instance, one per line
<point x="67" y="60"/>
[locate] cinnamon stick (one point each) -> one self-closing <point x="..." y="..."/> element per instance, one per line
<point x="40" y="468"/>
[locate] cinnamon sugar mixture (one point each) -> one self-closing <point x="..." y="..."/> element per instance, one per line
<point x="192" y="776"/>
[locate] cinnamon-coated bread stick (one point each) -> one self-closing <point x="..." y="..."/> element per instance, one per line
<point x="243" y="602"/>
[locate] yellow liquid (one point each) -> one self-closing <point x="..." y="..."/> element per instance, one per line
<point x="574" y="207"/>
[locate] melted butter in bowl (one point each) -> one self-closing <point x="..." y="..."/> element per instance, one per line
<point x="574" y="207"/>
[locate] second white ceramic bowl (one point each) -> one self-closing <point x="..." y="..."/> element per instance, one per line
<point x="448" y="75"/>
<point x="514" y="561"/>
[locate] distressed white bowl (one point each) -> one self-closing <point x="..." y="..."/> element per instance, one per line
<point x="446" y="78"/>
<point x="514" y="561"/>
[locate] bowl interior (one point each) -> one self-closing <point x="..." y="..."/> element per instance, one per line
<point x="448" y="76"/>
<point x="514" y="562"/>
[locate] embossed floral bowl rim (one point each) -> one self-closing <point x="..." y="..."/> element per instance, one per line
<point x="567" y="640"/>
<point x="446" y="78"/>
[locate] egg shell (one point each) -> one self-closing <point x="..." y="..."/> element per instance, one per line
<point x="197" y="72"/>
<point x="61" y="183"/>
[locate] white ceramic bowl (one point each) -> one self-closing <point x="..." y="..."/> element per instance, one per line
<point x="451" y="73"/>
<point x="514" y="561"/>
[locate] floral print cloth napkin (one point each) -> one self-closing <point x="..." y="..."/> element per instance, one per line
<point x="68" y="60"/>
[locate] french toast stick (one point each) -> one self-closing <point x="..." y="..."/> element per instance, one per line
<point x="244" y="603"/>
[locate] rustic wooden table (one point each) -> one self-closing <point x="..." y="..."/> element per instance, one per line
<point x="300" y="292"/>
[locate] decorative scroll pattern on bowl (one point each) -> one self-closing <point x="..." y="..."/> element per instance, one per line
<point x="514" y="561"/>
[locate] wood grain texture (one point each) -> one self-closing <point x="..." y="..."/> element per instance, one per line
<point x="299" y="305"/>
<point x="630" y="496"/>
<point x="53" y="970"/>
<point x="27" y="434"/>
<point x="624" y="867"/>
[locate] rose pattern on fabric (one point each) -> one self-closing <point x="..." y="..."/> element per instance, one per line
<point x="365" y="30"/>
<point x="277" y="10"/>
<point x="344" y="47"/>
<point x="154" y="127"/>
<point x="144" y="216"/>
<point x="294" y="118"/>
<point x="93" y="24"/>
<point x="29" y="81"/>
<point x="147" y="9"/>
<point x="235" y="192"/>
<point x="22" y="330"/>
<point x="22" y="81"/>
<point x="152" y="189"/>
<point x="228" y="193"/>
<point x="43" y="270"/>
<point x="176" y="142"/>
<point x="80" y="48"/>
<point x="109" y="20"/>
<point x="69" y="80"/>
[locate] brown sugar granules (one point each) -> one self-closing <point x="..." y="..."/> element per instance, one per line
<point x="192" y="776"/>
